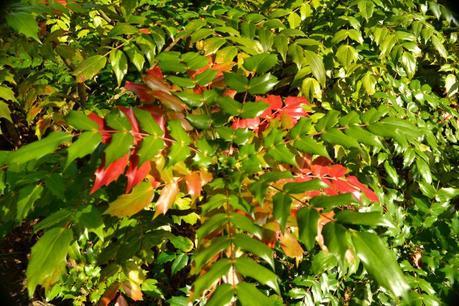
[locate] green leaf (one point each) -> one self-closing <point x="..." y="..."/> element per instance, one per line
<point x="245" y="224"/>
<point x="300" y="187"/>
<point x="364" y="136"/>
<point x="250" y="268"/>
<point x="120" y="145"/>
<point x="211" y="225"/>
<point x="80" y="121"/>
<point x="179" y="149"/>
<point x="424" y="169"/>
<point x="262" y="84"/>
<point x="253" y="109"/>
<point x="181" y="82"/>
<point x="194" y="60"/>
<point x="5" y="112"/>
<point x="369" y="83"/>
<point x="366" y="8"/>
<point x="307" y="144"/>
<point x="118" y="121"/>
<point x="86" y="144"/>
<point x="363" y="218"/>
<point x="446" y="194"/>
<point x="88" y="68"/>
<point x="335" y="136"/>
<point x="219" y="269"/>
<point x="179" y="263"/>
<point x="147" y="123"/>
<point x="135" y="56"/>
<point x="254" y="246"/>
<point x="229" y="105"/>
<point x="190" y="98"/>
<point x="48" y="258"/>
<point x="260" y="63"/>
<point x="281" y="208"/>
<point x="212" y="45"/>
<point x="337" y="239"/>
<point x="202" y="256"/>
<point x="281" y="153"/>
<point x="294" y="20"/>
<point x="329" y="202"/>
<point x="149" y="148"/>
<point x="221" y="296"/>
<point x="236" y="81"/>
<point x="249" y="295"/>
<point x="53" y="219"/>
<point x="38" y="149"/>
<point x="27" y="197"/>
<point x="317" y="66"/>
<point x="440" y="47"/>
<point x="202" y="121"/>
<point x="7" y="94"/>
<point x="259" y="187"/>
<point x="123" y="29"/>
<point x="307" y="219"/>
<point x="206" y="77"/>
<point x="119" y="64"/>
<point x="346" y="55"/>
<point x="379" y="261"/>
<point x="24" y="23"/>
<point x="281" y="45"/>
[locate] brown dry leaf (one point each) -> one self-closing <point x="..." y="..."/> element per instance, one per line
<point x="109" y="295"/>
<point x="121" y="301"/>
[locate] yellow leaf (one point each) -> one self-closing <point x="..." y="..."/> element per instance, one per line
<point x="291" y="246"/>
<point x="166" y="198"/>
<point x="129" y="204"/>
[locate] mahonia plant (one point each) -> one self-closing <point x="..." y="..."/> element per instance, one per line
<point x="253" y="165"/>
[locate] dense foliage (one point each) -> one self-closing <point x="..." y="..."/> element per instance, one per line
<point x="248" y="152"/>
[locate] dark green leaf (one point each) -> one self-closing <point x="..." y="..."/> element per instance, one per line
<point x="307" y="219"/>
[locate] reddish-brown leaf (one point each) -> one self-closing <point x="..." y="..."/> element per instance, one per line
<point x="170" y="101"/>
<point x="293" y="109"/>
<point x="166" y="198"/>
<point x="121" y="301"/>
<point x="106" y="175"/>
<point x="155" y="81"/>
<point x="143" y="92"/>
<point x="109" y="295"/>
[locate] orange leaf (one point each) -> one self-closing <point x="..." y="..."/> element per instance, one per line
<point x="291" y="246"/>
<point x="166" y="198"/>
<point x="193" y="184"/>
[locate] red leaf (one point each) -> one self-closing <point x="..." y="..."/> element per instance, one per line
<point x="293" y="109"/>
<point x="104" y="176"/>
<point x="274" y="102"/>
<point x="136" y="174"/>
<point x="143" y="92"/>
<point x="101" y="123"/>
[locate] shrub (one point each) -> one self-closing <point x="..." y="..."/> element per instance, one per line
<point x="264" y="152"/>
